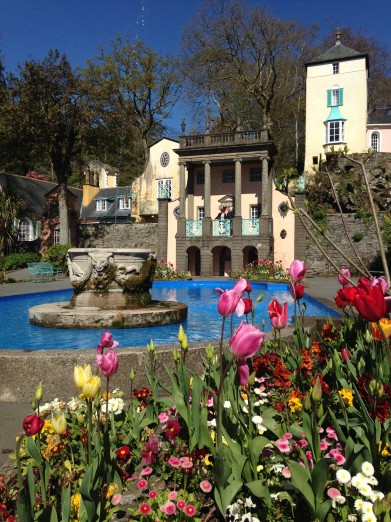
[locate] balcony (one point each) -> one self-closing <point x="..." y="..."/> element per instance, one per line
<point x="222" y="227"/>
<point x="228" y="138"/>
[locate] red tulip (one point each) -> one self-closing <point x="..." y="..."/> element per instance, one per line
<point x="248" y="305"/>
<point x="32" y="424"/>
<point x="345" y="296"/>
<point x="342" y="281"/>
<point x="345" y="354"/>
<point x="107" y="362"/>
<point x="297" y="271"/>
<point x="246" y="341"/>
<point x="248" y="288"/>
<point x="369" y="301"/>
<point x="296" y="290"/>
<point x="278" y="314"/>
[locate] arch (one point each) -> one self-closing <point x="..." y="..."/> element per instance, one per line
<point x="194" y="260"/>
<point x="26" y="229"/>
<point x="250" y="254"/>
<point x="221" y="261"/>
<point x="375" y="141"/>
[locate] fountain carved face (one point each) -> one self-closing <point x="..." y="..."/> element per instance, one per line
<point x="111" y="278"/>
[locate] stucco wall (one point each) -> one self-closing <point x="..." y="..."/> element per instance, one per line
<point x="129" y="235"/>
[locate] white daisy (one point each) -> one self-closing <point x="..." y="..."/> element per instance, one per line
<point x="367" y="507"/>
<point x="369" y="517"/>
<point x="358" y="504"/>
<point x="365" y="490"/>
<point x="343" y="476"/>
<point x="367" y="469"/>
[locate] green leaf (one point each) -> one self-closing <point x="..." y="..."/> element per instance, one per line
<point x="66" y="504"/>
<point x="221" y="471"/>
<point x="301" y="480"/>
<point x="319" y="475"/>
<point x="23" y="506"/>
<point x="33" y="450"/>
<point x="259" y="489"/>
<point x="323" y="510"/>
<point x="269" y="421"/>
<point x="225" y="496"/>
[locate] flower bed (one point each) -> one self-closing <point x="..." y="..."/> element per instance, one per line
<point x="270" y="430"/>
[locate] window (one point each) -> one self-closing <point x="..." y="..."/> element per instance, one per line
<point x="125" y="203"/>
<point x="375" y="141"/>
<point x="335" y="131"/>
<point x="255" y="174"/>
<point x="228" y="176"/>
<point x="101" y="205"/>
<point x="200" y="177"/>
<point x="255" y="211"/>
<point x="164" y="159"/>
<point x="200" y="212"/>
<point x="335" y="68"/>
<point x="334" y="97"/>
<point x="56" y="235"/>
<point x="164" y="188"/>
<point x="24" y="230"/>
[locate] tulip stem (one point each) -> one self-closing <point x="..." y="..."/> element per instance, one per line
<point x="107" y="404"/>
<point x="18" y="463"/>
<point x="219" y="411"/>
<point x="221" y="344"/>
<point x="89" y="435"/>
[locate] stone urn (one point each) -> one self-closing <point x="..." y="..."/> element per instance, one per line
<point x="111" y="278"/>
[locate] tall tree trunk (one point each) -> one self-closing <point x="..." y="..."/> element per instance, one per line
<point x="63" y="214"/>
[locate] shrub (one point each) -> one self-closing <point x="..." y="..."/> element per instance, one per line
<point x="15" y="261"/>
<point x="357" y="237"/>
<point x="262" y="270"/>
<point x="57" y="256"/>
<point x="166" y="271"/>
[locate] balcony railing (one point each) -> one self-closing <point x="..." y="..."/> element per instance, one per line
<point x="194" y="228"/>
<point x="227" y="138"/>
<point x="250" y="227"/>
<point x="222" y="227"/>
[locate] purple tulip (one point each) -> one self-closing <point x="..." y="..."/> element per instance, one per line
<point x="107" y="362"/>
<point x="246" y="341"/>
<point x="341" y="279"/>
<point x="297" y="271"/>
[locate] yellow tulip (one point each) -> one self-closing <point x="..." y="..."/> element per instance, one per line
<point x="59" y="423"/>
<point x="91" y="387"/>
<point x="385" y="326"/>
<point x="181" y="334"/>
<point x="82" y="374"/>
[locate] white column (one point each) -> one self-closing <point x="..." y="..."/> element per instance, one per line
<point x="238" y="187"/>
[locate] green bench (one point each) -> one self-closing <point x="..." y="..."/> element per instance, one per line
<point x="42" y="272"/>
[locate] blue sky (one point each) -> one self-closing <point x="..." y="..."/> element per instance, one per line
<point x="29" y="28"/>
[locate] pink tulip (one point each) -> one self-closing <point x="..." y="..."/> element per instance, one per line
<point x="297" y="271"/>
<point x="246" y="341"/>
<point x="243" y="372"/>
<point x="342" y="281"/>
<point x="278" y="314"/>
<point x="231" y="300"/>
<point x="106" y="341"/>
<point x="382" y="282"/>
<point x="107" y="362"/>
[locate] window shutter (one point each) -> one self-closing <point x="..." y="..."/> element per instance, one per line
<point x="340" y="96"/>
<point x="329" y="98"/>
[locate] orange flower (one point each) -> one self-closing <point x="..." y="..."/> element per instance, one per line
<point x="385" y="327"/>
<point x="328" y="333"/>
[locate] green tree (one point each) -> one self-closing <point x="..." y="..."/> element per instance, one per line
<point x="10" y="206"/>
<point x="248" y="65"/>
<point x="44" y="118"/>
<point x="132" y="90"/>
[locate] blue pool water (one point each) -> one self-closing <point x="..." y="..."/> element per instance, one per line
<point x="203" y="322"/>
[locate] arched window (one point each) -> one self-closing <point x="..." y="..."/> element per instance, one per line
<point x="25" y="230"/>
<point x="375" y="141"/>
<point x="56" y="235"/>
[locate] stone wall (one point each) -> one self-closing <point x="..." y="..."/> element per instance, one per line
<point x="115" y="235"/>
<point x="367" y="247"/>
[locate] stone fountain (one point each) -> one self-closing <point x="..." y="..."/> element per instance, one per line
<point x="111" y="290"/>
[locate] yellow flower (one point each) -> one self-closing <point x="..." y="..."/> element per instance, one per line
<point x="208" y="460"/>
<point x="347" y="396"/>
<point x="385" y="327"/>
<point x="47" y="427"/>
<point x="75" y="504"/>
<point x="384" y="449"/>
<point x="59" y="423"/>
<point x="81" y="374"/>
<point x="111" y="489"/>
<point x="294" y="404"/>
<point x="91" y="387"/>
